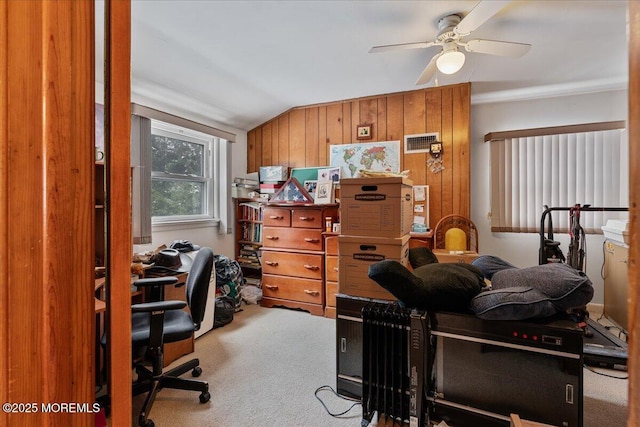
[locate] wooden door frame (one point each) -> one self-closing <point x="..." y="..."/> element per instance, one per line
<point x="117" y="98"/>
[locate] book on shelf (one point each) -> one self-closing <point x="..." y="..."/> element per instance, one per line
<point x="249" y="256"/>
<point x="254" y="281"/>
<point x="251" y="211"/>
<point x="251" y="232"/>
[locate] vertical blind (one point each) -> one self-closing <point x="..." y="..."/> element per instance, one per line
<point x="557" y="170"/>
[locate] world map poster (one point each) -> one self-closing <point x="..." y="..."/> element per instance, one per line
<point x="371" y="156"/>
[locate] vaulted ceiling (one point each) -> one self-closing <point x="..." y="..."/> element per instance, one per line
<point x="240" y="63"/>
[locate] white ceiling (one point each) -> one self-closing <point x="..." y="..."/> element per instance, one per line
<point x="241" y="63"/>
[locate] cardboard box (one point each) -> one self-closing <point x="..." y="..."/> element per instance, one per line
<point x="465" y="257"/>
<point x="358" y="253"/>
<point x="274" y="173"/>
<point x="380" y="207"/>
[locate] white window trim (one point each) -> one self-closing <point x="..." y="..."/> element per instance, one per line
<point x="209" y="142"/>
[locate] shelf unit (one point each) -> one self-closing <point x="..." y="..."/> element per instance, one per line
<point x="249" y="238"/>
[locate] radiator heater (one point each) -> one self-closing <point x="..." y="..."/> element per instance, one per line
<point x="391" y="385"/>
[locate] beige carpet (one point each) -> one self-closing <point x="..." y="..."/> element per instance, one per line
<point x="264" y="367"/>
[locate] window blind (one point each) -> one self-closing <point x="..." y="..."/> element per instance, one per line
<point x="557" y="170"/>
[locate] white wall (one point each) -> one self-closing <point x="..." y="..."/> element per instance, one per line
<point x="518" y="248"/>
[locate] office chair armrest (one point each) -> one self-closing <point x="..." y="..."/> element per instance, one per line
<point x="157" y="306"/>
<point x="154" y="286"/>
<point x="156" y="281"/>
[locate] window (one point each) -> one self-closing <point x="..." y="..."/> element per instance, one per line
<point x="558" y="167"/>
<point x="182" y="187"/>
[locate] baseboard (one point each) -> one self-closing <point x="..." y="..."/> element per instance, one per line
<point x="595" y="310"/>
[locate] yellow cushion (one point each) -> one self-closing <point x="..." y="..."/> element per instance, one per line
<point x="455" y="239"/>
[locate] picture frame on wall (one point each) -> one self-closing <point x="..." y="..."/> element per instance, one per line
<point x="324" y="193"/>
<point x="364" y="132"/>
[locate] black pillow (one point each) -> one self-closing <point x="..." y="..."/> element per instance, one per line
<point x="538" y="291"/>
<point x="437" y="286"/>
<point x="420" y="256"/>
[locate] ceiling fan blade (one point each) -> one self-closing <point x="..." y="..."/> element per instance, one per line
<point x="493" y="47"/>
<point x="401" y="46"/>
<point x="429" y="71"/>
<point x="479" y="15"/>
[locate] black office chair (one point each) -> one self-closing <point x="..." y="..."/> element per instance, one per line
<point x="158" y="322"/>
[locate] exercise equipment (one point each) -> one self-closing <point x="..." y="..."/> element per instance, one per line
<point x="601" y="347"/>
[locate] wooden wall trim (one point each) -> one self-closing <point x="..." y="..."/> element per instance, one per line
<point x="46" y="198"/>
<point x="556" y="130"/>
<point x="119" y="240"/>
<point x="634" y="212"/>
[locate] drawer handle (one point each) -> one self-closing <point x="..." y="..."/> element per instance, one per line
<point x="335" y="268"/>
<point x="272" y="263"/>
<point x="276" y="217"/>
<point x="271" y="237"/>
<point x="306" y="218"/>
<point x="311" y="267"/>
<point x="311" y="240"/>
<point x="312" y="293"/>
<point x="272" y="287"/>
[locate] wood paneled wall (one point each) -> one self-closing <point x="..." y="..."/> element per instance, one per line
<point x="301" y="138"/>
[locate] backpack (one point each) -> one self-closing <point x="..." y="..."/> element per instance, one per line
<point x="223" y="314"/>
<point x="229" y="279"/>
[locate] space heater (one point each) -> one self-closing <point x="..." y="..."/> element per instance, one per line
<point x="393" y="369"/>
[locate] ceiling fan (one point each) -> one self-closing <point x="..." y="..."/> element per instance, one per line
<point x="453" y="28"/>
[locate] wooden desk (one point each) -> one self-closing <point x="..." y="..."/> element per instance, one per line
<point x="421" y="239"/>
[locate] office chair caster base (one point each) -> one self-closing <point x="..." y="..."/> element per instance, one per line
<point x="196" y="371"/>
<point x="205" y="397"/>
<point x="145" y="423"/>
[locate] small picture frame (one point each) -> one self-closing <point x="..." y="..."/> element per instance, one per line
<point x="329" y="174"/>
<point x="364" y="132"/>
<point x="310" y="186"/>
<point x="324" y="193"/>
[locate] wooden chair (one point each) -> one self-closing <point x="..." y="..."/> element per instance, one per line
<point x="455" y="233"/>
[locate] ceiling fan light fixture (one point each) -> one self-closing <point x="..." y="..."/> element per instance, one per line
<point x="450" y="62"/>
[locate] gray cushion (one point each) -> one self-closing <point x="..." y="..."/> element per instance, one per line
<point x="539" y="291"/>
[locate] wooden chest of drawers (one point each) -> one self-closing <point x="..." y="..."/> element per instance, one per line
<point x="293" y="260"/>
<point x="331" y="274"/>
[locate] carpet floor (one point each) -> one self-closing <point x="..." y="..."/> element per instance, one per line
<point x="264" y="368"/>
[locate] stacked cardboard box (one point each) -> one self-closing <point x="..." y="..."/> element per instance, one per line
<point x="272" y="178"/>
<point x="375" y="221"/>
